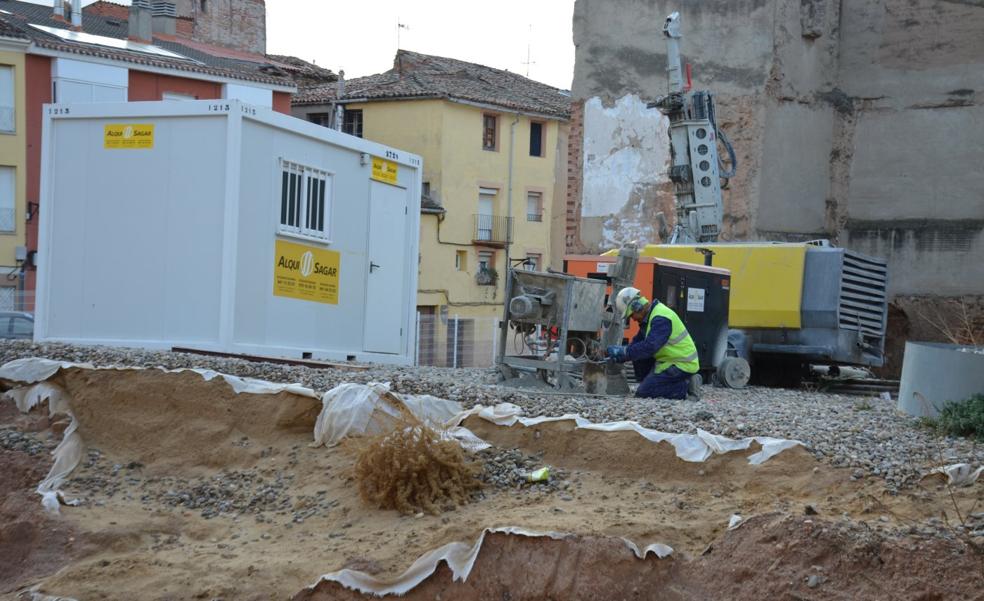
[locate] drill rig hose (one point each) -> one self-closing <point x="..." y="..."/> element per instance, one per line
<point x="712" y="117"/>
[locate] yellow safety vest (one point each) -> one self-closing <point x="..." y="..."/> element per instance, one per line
<point x="679" y="349"/>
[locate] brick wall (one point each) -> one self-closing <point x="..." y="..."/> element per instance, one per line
<point x="575" y="163"/>
<point x="108" y="9"/>
<point x="239" y="24"/>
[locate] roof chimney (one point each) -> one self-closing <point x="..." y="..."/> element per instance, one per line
<point x="77" y="14"/>
<point x="165" y="17"/>
<point x="59" y="6"/>
<point x="141" y="23"/>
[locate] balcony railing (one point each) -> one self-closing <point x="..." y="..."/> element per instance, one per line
<point x="492" y="230"/>
<point x="534" y="216"/>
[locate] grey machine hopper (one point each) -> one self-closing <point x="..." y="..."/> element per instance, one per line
<point x="561" y="325"/>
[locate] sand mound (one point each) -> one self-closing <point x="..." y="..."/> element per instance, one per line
<point x="177" y="420"/>
<point x="627" y="454"/>
<point x="199" y="492"/>
<point x="770" y="557"/>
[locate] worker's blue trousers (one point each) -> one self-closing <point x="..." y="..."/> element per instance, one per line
<point x="671" y="383"/>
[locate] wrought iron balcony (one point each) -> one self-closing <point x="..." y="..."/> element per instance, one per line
<point x="492" y="230"/>
<point x="534" y="216"/>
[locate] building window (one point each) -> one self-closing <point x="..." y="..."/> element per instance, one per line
<point x="533" y="261"/>
<point x="485" y="220"/>
<point x="352" y="122"/>
<point x="7" y="99"/>
<point x="489" y="132"/>
<point x="305" y="201"/>
<point x="8" y="195"/>
<point x="534" y="206"/>
<point x="460" y="260"/>
<point x="486" y="261"/>
<point x="536" y="139"/>
<point x="204" y="5"/>
<point x="322" y="119"/>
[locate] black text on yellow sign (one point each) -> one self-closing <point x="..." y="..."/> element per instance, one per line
<point x="305" y="272"/>
<point x="128" y="135"/>
<point x="384" y="171"/>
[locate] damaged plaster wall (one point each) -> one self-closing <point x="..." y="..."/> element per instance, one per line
<point x="625" y="180"/>
<point x="857" y="121"/>
<point x="620" y="65"/>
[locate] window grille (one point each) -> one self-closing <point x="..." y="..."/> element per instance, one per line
<point x="305" y="200"/>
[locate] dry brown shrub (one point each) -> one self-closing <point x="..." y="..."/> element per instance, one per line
<point x="411" y="469"/>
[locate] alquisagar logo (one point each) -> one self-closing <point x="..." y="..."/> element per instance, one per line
<point x="307" y="263"/>
<point x="127" y="132"/>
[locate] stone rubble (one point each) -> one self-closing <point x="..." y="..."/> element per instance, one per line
<point x="867" y="435"/>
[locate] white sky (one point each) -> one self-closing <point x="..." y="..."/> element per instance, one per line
<point x="360" y="37"/>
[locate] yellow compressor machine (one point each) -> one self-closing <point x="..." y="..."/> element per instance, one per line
<point x="796" y="304"/>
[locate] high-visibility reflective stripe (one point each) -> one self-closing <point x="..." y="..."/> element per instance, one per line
<point x="683" y="336"/>
<point x="675" y="361"/>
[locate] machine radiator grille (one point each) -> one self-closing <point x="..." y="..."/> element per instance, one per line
<point x="864" y="295"/>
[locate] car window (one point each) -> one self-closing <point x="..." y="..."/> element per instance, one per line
<point x="21" y="326"/>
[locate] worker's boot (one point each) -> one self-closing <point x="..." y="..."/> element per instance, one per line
<point x="693" y="388"/>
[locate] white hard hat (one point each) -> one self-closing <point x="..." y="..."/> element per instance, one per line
<point x="629" y="300"/>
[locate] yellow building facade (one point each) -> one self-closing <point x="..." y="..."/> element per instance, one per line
<point x="13" y="166"/>
<point x="471" y="225"/>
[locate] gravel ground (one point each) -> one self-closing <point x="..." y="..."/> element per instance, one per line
<point x="866" y="434"/>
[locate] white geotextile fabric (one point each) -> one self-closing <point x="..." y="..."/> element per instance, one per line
<point x="460" y="558"/>
<point x="959" y="474"/>
<point x="34" y="372"/>
<point x="358" y="409"/>
<point x="35" y="369"/>
<point x="689" y="447"/>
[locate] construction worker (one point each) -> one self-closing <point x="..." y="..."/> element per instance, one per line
<point x="663" y="354"/>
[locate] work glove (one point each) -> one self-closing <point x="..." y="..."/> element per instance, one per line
<point x="617" y="354"/>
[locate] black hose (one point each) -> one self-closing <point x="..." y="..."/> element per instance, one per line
<point x="712" y="117"/>
<point x="731" y="154"/>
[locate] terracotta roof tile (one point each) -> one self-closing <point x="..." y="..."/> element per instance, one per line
<point x="416" y="75"/>
<point x="202" y="58"/>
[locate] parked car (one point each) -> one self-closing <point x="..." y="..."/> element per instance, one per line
<point x="16" y="324"/>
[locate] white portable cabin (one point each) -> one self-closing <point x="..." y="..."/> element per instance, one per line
<point x="221" y="226"/>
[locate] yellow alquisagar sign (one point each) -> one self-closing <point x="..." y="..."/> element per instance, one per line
<point x="384" y="171"/>
<point x="128" y="135"/>
<point x="305" y="272"/>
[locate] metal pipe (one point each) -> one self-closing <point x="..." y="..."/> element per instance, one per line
<point x="512" y="142"/>
<point x="339" y="116"/>
<point x="59" y="7"/>
<point x="671" y="29"/>
<point x="77" y="13"/>
<point x="504" y="325"/>
<point x="416" y="354"/>
<point x="454" y="361"/>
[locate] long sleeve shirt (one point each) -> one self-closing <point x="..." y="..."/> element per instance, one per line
<point x="644" y="347"/>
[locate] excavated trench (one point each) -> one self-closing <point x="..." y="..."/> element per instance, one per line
<point x="190" y="489"/>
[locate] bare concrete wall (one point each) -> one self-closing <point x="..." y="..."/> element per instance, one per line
<point x="915" y="194"/>
<point x="860" y="121"/>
